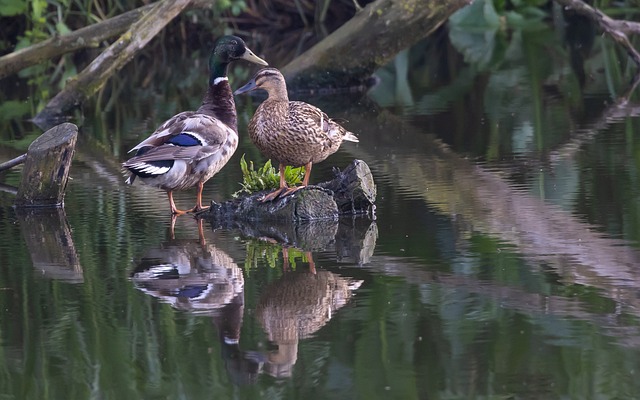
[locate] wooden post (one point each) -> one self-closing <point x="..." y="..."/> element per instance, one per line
<point x="46" y="168"/>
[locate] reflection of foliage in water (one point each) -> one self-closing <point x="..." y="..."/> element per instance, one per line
<point x="259" y="251"/>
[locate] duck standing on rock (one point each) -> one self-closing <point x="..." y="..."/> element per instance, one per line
<point x="292" y="132"/>
<point x="191" y="147"/>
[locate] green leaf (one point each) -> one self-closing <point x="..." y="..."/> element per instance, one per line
<point x="14" y="109"/>
<point x="266" y="177"/>
<point x="473" y="31"/>
<point x="39" y="7"/>
<point x="10" y="8"/>
<point x="62" y="28"/>
<point x="478" y="16"/>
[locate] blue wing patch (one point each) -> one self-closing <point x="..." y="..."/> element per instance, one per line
<point x="185" y="139"/>
<point x="191" y="291"/>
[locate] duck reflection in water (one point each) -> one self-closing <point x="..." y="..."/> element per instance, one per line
<point x="296" y="306"/>
<point x="198" y="278"/>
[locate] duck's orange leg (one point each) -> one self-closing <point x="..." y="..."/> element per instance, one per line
<point x="201" y="232"/>
<point x="312" y="265"/>
<point x="285" y="259"/>
<point x="174" y="209"/>
<point x="172" y="227"/>
<point x="198" y="206"/>
<point x="305" y="181"/>
<point x="283" y="186"/>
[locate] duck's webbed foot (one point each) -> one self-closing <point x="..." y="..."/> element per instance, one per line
<point x="292" y="190"/>
<point x="197" y="208"/>
<point x="273" y="195"/>
<point x="172" y="204"/>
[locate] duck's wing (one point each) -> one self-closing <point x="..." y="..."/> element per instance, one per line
<point x="307" y="119"/>
<point x="311" y="120"/>
<point x="185" y="130"/>
<point x="190" y="138"/>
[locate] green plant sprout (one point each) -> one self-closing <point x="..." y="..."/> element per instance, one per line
<point x="266" y="177"/>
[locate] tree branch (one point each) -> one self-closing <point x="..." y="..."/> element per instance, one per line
<point x="89" y="36"/>
<point x="94" y="76"/>
<point x="616" y="29"/>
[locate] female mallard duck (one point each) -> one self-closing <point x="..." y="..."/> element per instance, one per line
<point x="292" y="132"/>
<point x="191" y="147"/>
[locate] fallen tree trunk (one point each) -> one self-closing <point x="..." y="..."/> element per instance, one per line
<point x="90" y="36"/>
<point x="87" y="37"/>
<point x="368" y="41"/>
<point x="92" y="78"/>
<point x="351" y="192"/>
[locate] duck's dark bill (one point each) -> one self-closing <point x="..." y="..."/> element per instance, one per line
<point x="246" y="88"/>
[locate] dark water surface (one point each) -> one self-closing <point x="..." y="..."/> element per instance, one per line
<point x="503" y="261"/>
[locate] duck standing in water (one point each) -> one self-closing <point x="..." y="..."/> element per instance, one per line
<point x="191" y="147"/>
<point x="292" y="132"/>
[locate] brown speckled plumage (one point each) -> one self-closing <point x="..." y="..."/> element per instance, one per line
<point x="291" y="132"/>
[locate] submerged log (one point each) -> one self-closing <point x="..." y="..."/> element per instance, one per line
<point x="46" y="168"/>
<point x="351" y="192"/>
<point x="368" y="41"/>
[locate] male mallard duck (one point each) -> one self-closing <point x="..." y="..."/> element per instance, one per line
<point x="191" y="147"/>
<point x="292" y="132"/>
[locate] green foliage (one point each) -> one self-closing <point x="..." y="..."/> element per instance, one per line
<point x="481" y="31"/>
<point x="266" y="177"/>
<point x="262" y="251"/>
<point x="10" y="8"/>
<point x="13" y="109"/>
<point x="236" y="7"/>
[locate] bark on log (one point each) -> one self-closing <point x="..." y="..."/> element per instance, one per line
<point x="92" y="78"/>
<point x="48" y="237"/>
<point x="353" y="189"/>
<point x="368" y="41"/>
<point x="46" y="168"/>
